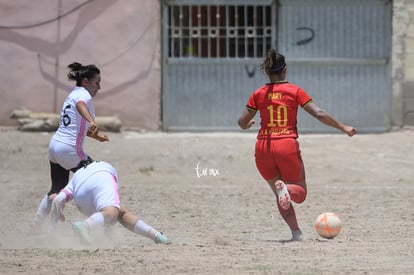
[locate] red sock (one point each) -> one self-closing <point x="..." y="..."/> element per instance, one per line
<point x="289" y="216"/>
<point x="297" y="193"/>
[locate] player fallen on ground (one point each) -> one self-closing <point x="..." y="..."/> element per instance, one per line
<point x="94" y="189"/>
<point x="277" y="153"/>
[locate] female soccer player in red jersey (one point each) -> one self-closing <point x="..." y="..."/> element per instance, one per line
<point x="277" y="152"/>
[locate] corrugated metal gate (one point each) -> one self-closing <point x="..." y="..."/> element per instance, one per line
<point x="336" y="50"/>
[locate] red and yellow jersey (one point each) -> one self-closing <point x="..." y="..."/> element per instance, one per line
<point x="278" y="104"/>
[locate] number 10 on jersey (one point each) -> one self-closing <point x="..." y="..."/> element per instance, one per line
<point x="281" y="116"/>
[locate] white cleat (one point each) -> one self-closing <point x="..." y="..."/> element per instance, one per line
<point x="283" y="197"/>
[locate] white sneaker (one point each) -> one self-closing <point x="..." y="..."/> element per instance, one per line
<point x="297" y="235"/>
<point x="161" y="238"/>
<point x="283" y="197"/>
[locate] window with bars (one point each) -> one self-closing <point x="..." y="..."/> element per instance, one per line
<point x="219" y="31"/>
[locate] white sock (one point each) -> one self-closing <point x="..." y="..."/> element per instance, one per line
<point x="146" y="230"/>
<point x="43" y="210"/>
<point x="94" y="221"/>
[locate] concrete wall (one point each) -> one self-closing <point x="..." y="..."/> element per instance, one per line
<point x="403" y="63"/>
<point x="121" y="37"/>
<point x="408" y="61"/>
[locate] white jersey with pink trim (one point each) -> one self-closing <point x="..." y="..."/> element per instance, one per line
<point x="94" y="187"/>
<point x="72" y="126"/>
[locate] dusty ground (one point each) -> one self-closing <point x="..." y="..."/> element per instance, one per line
<point x="224" y="221"/>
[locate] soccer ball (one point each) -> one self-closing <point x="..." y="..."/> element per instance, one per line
<point x="328" y="225"/>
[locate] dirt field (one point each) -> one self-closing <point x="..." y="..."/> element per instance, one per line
<point x="223" y="219"/>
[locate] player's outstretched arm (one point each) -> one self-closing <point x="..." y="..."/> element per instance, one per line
<point x="329" y="120"/>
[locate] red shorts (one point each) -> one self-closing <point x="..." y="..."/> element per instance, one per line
<point x="280" y="158"/>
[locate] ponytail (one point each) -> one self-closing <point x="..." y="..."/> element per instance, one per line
<point x="78" y="72"/>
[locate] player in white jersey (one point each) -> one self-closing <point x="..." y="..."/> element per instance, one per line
<point x="77" y="121"/>
<point x="94" y="189"/>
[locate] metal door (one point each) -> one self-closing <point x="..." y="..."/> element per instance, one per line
<point x="339" y="52"/>
<point x="211" y="50"/>
<point x="336" y="50"/>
